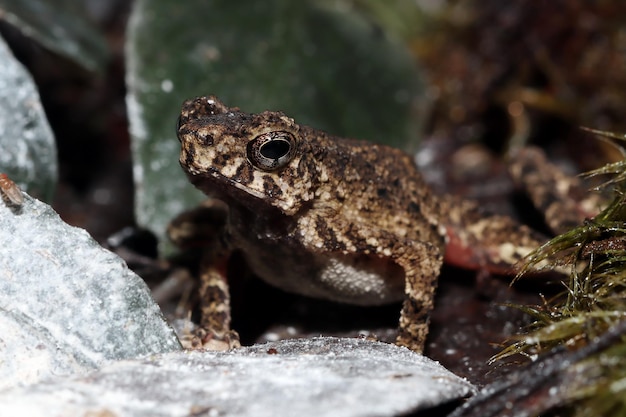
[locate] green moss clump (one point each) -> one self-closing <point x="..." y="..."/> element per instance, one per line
<point x="593" y="302"/>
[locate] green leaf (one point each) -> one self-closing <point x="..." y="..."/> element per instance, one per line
<point x="61" y="26"/>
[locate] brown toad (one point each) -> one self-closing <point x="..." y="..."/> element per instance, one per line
<point x="339" y="219"/>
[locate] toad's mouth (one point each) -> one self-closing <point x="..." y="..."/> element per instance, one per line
<point x="246" y="189"/>
<point x="215" y="183"/>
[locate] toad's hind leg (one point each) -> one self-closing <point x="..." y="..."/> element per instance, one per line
<point x="421" y="274"/>
<point x="563" y="199"/>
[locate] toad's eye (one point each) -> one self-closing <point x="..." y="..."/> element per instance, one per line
<point x="272" y="150"/>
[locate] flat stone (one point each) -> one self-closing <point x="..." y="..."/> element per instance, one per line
<point x="300" y="377"/>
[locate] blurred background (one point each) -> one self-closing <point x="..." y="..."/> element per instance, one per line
<point x="456" y="83"/>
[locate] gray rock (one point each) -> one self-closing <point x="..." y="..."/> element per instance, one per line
<point x="66" y="304"/>
<point x="306" y="377"/>
<point x="28" y="149"/>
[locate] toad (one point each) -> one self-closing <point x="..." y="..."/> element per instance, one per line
<point x="339" y="219"/>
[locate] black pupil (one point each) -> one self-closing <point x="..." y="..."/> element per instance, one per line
<point x="275" y="149"/>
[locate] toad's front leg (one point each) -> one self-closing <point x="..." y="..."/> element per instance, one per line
<point x="422" y="264"/>
<point x="214" y="332"/>
<point x="203" y="228"/>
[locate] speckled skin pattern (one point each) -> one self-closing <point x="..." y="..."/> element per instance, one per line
<point x="323" y="216"/>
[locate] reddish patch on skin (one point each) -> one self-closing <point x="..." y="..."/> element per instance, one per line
<point x="458" y="253"/>
<point x="466" y="255"/>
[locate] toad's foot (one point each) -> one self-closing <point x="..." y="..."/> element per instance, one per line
<point x="205" y="339"/>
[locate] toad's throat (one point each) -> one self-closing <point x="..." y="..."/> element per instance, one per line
<point x="357" y="280"/>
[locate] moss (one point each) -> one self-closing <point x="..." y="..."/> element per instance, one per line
<point x="594" y="300"/>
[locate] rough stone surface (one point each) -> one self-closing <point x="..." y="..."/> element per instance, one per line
<point x="306" y="377"/>
<point x="28" y="149"/>
<point x="66" y="304"/>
